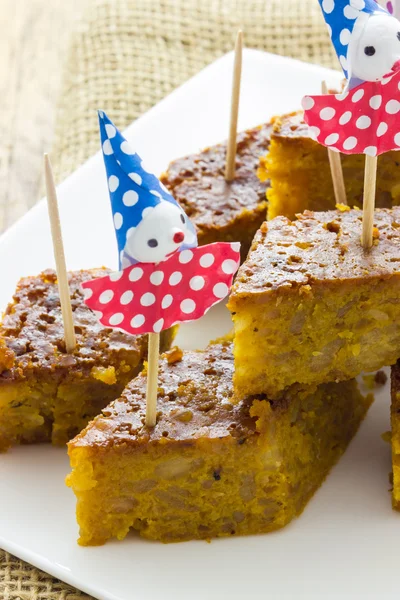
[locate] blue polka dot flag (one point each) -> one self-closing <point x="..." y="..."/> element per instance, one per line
<point x="341" y="17"/>
<point x="133" y="188"/>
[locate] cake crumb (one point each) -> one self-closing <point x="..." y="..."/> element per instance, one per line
<point x="105" y="374"/>
<point x="380" y="378"/>
<point x="342" y="207"/>
<point x="174" y="355"/>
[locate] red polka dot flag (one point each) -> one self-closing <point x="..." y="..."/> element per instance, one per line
<point x="148" y="297"/>
<point x="365" y="120"/>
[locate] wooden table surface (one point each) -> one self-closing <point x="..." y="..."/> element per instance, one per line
<point x="34" y="39"/>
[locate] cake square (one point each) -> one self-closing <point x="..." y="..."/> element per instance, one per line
<point x="209" y="468"/>
<point x="310" y="305"/>
<point x="221" y="211"/>
<point x="45" y="393"/>
<point x="300" y="177"/>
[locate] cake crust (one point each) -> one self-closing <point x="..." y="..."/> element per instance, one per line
<point x="32" y="329"/>
<point x="194" y="401"/>
<point x="319" y="247"/>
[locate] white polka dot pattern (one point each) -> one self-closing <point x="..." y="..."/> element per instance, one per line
<point x="113" y="183"/>
<point x="107" y="148"/>
<point x="126" y="297"/>
<point x="130" y="198"/>
<point x="111" y="131"/>
<point x="146" y="298"/>
<point x="116" y="319"/>
<point x="126" y="149"/>
<point x="118" y="220"/>
<point x="364" y="122"/>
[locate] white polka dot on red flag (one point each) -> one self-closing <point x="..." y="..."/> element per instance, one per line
<point x="147" y="298"/>
<point x="175" y="278"/>
<point x="392" y="107"/>
<point x="363" y="122"/>
<point x="229" y="266"/>
<point x="197" y="283"/>
<point x="358" y="94"/>
<point x="185" y="256"/>
<point x="375" y="102"/>
<point x="137" y="321"/>
<point x="345" y="118"/>
<point x="157" y="277"/>
<point x="106" y="296"/>
<point x="207" y="260"/>
<point x="220" y="290"/>
<point x="167" y="301"/>
<point x="116" y="319"/>
<point x="188" y="306"/>
<point x="126" y="297"/>
<point x="135" y="274"/>
<point x="158" y="325"/>
<point x="327" y="113"/>
<point x="116" y="276"/>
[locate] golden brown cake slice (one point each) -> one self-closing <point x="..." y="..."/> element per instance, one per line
<point x="309" y="305"/>
<point x="45" y="393"/>
<point x="395" y="437"/>
<point x="221" y="211"/>
<point x="300" y="176"/>
<point x="209" y="468"/>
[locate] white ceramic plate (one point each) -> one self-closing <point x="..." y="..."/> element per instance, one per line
<point x="345" y="546"/>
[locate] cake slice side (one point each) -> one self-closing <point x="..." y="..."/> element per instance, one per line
<point x="209" y="468"/>
<point x="45" y="393"/>
<point x="310" y="306"/>
<point x="299" y="172"/>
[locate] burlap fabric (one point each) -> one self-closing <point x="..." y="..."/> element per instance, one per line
<point x="128" y="54"/>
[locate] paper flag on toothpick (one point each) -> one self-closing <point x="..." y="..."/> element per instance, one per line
<point x="165" y="278"/>
<point x="148" y="298"/>
<point x="363" y="119"/>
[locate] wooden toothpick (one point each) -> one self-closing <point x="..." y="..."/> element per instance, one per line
<point x="371" y="163"/>
<point x="58" y="247"/>
<point x="336" y="167"/>
<point x="152" y="379"/>
<point x="237" y="73"/>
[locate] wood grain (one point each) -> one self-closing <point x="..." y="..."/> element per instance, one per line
<point x="34" y="39"/>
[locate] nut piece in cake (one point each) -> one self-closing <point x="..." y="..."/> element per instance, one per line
<point x="309" y="305"/>
<point x="45" y="393"/>
<point x="209" y="468"/>
<point x="221" y="211"/>
<point x="300" y="175"/>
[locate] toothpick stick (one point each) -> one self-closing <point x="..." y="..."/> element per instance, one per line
<point x="237" y="73"/>
<point x="58" y="247"/>
<point x="371" y="163"/>
<point x="152" y="379"/>
<point x="336" y="167"/>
